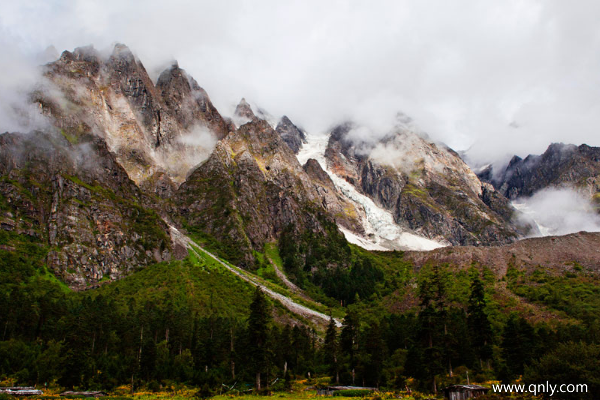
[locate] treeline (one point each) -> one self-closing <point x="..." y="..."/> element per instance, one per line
<point x="101" y="339"/>
<point x="94" y="343"/>
<point x="325" y="261"/>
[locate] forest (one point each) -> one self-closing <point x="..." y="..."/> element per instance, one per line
<point x="187" y="322"/>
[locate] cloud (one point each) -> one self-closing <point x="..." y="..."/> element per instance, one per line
<point x="558" y="212"/>
<point x="468" y="72"/>
<point x="19" y="76"/>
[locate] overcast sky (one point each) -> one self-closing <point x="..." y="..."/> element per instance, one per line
<point x="502" y="76"/>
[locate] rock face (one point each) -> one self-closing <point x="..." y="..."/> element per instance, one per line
<point x="426" y="186"/>
<point x="77" y="203"/>
<point x="244" y="112"/>
<point x="561" y="165"/>
<point x="168" y="128"/>
<point x="344" y="212"/>
<point x="249" y="190"/>
<point x="291" y="134"/>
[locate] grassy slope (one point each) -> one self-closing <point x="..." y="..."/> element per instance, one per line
<point x="207" y="288"/>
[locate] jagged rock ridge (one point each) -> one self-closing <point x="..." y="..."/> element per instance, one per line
<point x="426" y="186"/>
<point x="164" y="129"/>
<point x="251" y="188"/>
<point x="291" y="134"/>
<point x="77" y="203"/>
<point x="561" y="165"/>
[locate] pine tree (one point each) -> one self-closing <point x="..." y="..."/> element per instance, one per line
<point x="349" y="341"/>
<point x="374" y="347"/>
<point x="258" y="333"/>
<point x="330" y="349"/>
<point x="517" y="346"/>
<point x="479" y="324"/>
<point x="432" y="321"/>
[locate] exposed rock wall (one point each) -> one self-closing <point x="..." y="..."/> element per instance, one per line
<point x="426" y="186"/>
<point x="78" y="203"/>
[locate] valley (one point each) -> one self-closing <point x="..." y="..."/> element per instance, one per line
<point x="148" y="240"/>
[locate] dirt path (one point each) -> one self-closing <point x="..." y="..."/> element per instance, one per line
<point x="310" y="314"/>
<point x="287" y="282"/>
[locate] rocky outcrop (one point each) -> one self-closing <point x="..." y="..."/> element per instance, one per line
<point x="561" y="165"/>
<point x="314" y="170"/>
<point x="249" y="190"/>
<point x="77" y="203"/>
<point x="291" y="134"/>
<point x="189" y="103"/>
<point x="345" y="213"/>
<point x="244" y="111"/>
<point x="168" y="128"/>
<point x="426" y="186"/>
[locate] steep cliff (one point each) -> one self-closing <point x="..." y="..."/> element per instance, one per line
<point x="561" y="165"/>
<point x="426" y="186"/>
<point x="164" y="129"/>
<point x="291" y="134"/>
<point x="77" y="204"/>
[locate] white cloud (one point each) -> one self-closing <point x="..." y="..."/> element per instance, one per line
<point x="464" y="70"/>
<point x="559" y="212"/>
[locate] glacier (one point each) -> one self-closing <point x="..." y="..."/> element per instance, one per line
<point x="382" y="232"/>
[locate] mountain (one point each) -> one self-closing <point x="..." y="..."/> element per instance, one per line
<point x="76" y="205"/>
<point x="561" y="165"/>
<point x="136" y="227"/>
<point x="238" y="185"/>
<point x="291" y="134"/>
<point x="155" y="131"/>
<point x="251" y="188"/>
<point x="427" y="187"/>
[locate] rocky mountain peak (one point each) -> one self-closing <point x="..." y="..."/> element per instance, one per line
<point x="244" y="110"/>
<point x="167" y="128"/>
<point x="561" y="165"/>
<point x="426" y="186"/>
<point x="291" y="134"/>
<point x="123" y="52"/>
<point x="314" y="170"/>
<point x="87" y="54"/>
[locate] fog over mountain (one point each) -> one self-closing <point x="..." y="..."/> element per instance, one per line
<point x="498" y="79"/>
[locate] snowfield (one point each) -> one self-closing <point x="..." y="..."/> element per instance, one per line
<point x="382" y="233"/>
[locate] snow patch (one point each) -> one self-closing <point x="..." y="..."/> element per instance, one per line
<point x="361" y="241"/>
<point x="381" y="230"/>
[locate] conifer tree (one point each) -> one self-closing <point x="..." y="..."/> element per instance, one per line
<point x="432" y="320"/>
<point x="258" y="333"/>
<point x="479" y="324"/>
<point x="330" y="349"/>
<point x="349" y="341"/>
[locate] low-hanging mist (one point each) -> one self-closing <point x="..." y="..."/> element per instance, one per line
<point x="559" y="211"/>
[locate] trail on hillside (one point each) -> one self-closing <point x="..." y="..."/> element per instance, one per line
<point x="286" y="281"/>
<point x="299" y="309"/>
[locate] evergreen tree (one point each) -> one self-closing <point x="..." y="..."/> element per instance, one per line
<point x="431" y="326"/>
<point x="330" y="350"/>
<point x="374" y="347"/>
<point x="517" y="345"/>
<point x="258" y="333"/>
<point x="569" y="363"/>
<point x="349" y="341"/>
<point x="479" y="325"/>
